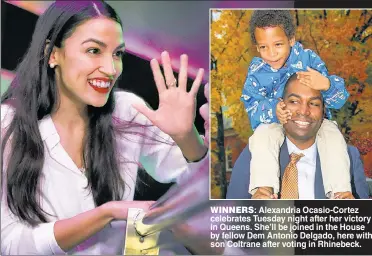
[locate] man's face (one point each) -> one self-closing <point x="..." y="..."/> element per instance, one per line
<point x="306" y="106"/>
<point x="273" y="45"/>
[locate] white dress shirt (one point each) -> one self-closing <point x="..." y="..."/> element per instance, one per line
<point x="306" y="167"/>
<point x="63" y="186"/>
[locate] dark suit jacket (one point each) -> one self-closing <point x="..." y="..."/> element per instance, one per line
<point x="239" y="182"/>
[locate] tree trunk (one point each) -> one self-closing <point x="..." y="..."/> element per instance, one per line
<point x="221" y="153"/>
<point x="297" y="20"/>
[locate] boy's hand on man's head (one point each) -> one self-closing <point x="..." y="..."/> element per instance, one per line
<point x="282" y="114"/>
<point x="313" y="79"/>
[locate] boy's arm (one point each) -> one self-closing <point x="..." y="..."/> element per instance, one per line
<point x="260" y="107"/>
<point x="336" y="96"/>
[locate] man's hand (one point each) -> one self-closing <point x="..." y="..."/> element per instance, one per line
<point x="265" y="193"/>
<point x="313" y="79"/>
<point x="344" y="195"/>
<point x="282" y="114"/>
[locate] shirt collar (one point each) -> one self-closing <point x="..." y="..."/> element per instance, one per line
<point x="309" y="153"/>
<point x="48" y="132"/>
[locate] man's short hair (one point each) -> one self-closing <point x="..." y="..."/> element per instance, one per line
<point x="272" y="18"/>
<point x="291" y="79"/>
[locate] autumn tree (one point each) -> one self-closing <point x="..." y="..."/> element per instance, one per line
<point x="231" y="52"/>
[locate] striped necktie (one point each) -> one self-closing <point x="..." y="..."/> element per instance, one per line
<point x="290" y="178"/>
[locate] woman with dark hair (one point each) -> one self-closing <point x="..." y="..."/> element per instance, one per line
<point x="71" y="146"/>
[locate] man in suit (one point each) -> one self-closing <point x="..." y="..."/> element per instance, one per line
<point x="306" y="105"/>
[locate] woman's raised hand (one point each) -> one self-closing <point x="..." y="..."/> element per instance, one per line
<point x="176" y="112"/>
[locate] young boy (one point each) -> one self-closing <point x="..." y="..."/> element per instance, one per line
<point x="281" y="56"/>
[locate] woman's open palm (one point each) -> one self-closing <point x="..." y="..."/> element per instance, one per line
<point x="176" y="112"/>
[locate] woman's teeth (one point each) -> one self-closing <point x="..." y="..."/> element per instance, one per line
<point x="100" y="84"/>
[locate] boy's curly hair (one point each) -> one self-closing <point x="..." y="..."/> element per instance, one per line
<point x="272" y="18"/>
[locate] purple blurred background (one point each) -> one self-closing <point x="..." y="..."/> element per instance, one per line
<point x="151" y="27"/>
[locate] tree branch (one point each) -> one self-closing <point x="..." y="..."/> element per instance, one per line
<point x="357" y="112"/>
<point x="297" y="20"/>
<point x="357" y="35"/>
<point x="366" y="38"/>
<point x="241" y="57"/>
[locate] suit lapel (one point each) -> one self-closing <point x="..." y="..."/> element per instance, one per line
<point x="319" y="192"/>
<point x="283" y="160"/>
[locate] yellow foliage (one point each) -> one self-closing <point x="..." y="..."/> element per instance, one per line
<point x="215" y="192"/>
<point x="331" y="39"/>
<point x="232" y="50"/>
<point x="338" y="41"/>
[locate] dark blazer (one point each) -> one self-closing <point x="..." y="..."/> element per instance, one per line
<point x="239" y="182"/>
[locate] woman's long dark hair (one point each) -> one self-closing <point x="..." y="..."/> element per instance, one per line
<point x="33" y="95"/>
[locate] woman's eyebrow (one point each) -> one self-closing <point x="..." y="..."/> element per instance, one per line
<point x="102" y="44"/>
